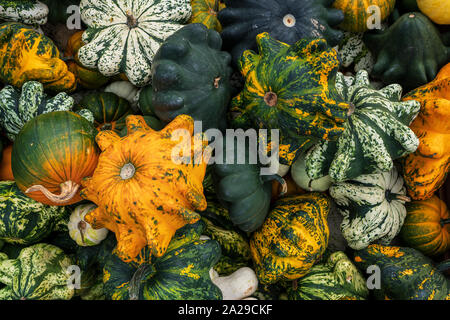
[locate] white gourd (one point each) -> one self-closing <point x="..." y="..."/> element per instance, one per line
<point x="237" y="286"/>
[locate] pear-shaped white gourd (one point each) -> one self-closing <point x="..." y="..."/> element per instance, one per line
<point x="126" y="90"/>
<point x="301" y="178"/>
<point x="239" y="285"/>
<point x="81" y="231"/>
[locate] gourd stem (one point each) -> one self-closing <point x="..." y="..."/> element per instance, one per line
<point x="280" y="180"/>
<point x="402" y="198"/>
<point x="82" y="228"/>
<point x="136" y="281"/>
<point x="68" y="190"/>
<point x="445" y="221"/>
<point x="443" y="266"/>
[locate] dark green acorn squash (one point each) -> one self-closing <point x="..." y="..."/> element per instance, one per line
<point x="286" y="21"/>
<point x="22" y="219"/>
<point x="182" y="273"/>
<point x="410" y="52"/>
<point x="406" y="274"/>
<point x="191" y="75"/>
<point x="291" y="89"/>
<point x="109" y="110"/>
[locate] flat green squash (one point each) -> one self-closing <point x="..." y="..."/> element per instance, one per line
<point x="335" y="279"/>
<point x="182" y="273"/>
<point x="375" y="134"/>
<point x="290" y="88"/>
<point x="38" y="273"/>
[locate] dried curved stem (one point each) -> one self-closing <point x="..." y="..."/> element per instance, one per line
<point x="68" y="190"/>
<point x="403" y="198"/>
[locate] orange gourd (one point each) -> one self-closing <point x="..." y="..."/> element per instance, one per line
<point x="5" y="165"/>
<point x="425" y="170"/>
<point x="142" y="194"/>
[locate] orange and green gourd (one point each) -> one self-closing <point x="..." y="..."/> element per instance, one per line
<point x="144" y="191"/>
<point x="426" y="169"/>
<point x="26" y="55"/>
<point x="358" y="13"/>
<point x="427" y="226"/>
<point x="205" y="12"/>
<point x="293" y="237"/>
<point x="291" y="88"/>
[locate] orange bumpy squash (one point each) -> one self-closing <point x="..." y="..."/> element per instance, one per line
<point x="425" y="170"/>
<point x="142" y="194"/>
<point x="27" y="55"/>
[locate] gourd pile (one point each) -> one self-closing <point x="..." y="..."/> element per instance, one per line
<point x="93" y="205"/>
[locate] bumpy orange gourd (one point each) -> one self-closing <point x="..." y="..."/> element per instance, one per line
<point x="425" y="170"/>
<point x="142" y="194"/>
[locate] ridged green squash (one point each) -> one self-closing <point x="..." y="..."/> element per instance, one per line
<point x="293" y="237"/>
<point x="375" y="134"/>
<point x="182" y="273"/>
<point x="406" y="274"/>
<point x="336" y="279"/>
<point x="40" y="272"/>
<point x="19" y="106"/>
<point x="191" y="75"/>
<point x="286" y="21"/>
<point x="22" y="219"/>
<point x="373" y="207"/>
<point x="291" y="89"/>
<point x="25" y="11"/>
<point x="109" y="110"/>
<point x="410" y="52"/>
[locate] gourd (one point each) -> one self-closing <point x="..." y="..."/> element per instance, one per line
<point x="237" y="286"/>
<point x="373" y="207"/>
<point x="5" y="164"/>
<point x="426" y="169"/>
<point x="288" y="187"/>
<point x="288" y="22"/>
<point x="124" y="89"/>
<point x="335" y="279"/>
<point x="354" y="54"/>
<point x="51" y="154"/>
<point x="205" y="12"/>
<point x="58" y="10"/>
<point x="406" y="274"/>
<point x="87" y="78"/>
<point x="438" y="11"/>
<point x="409" y="52"/>
<point x="125" y="38"/>
<point x="19" y="106"/>
<point x="243" y="187"/>
<point x="293" y="237"/>
<point x="191" y="75"/>
<point x="25" y="11"/>
<point x="27" y="55"/>
<point x="376" y="133"/>
<point x="427" y="226"/>
<point x="144" y="199"/>
<point x="358" y="14"/>
<point x="40" y="272"/>
<point x="182" y="273"/>
<point x="301" y="178"/>
<point x="24" y="220"/>
<point x="81" y="231"/>
<point x="109" y="110"/>
<point x="275" y="94"/>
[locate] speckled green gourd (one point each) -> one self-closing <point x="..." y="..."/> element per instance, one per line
<point x="40" y="272"/>
<point x="182" y="273"/>
<point x="375" y="134"/>
<point x="19" y="106"/>
<point x="354" y="53"/>
<point x="25" y="11"/>
<point x="336" y="279"/>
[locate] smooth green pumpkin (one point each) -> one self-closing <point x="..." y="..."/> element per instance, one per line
<point x="376" y="133"/>
<point x="406" y="274"/>
<point x="182" y="273"/>
<point x="290" y="89"/>
<point x="409" y="52"/>
<point x="335" y="279"/>
<point x="191" y="75"/>
<point x="19" y="106"/>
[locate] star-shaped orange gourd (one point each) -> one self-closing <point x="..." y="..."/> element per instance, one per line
<point x="143" y="190"/>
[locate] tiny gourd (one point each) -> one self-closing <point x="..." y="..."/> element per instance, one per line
<point x="82" y="232"/>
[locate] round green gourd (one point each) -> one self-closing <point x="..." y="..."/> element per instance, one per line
<point x="375" y="134"/>
<point x="301" y="178"/>
<point x="40" y="272"/>
<point x="182" y="273"/>
<point x="191" y="75"/>
<point x="335" y="279"/>
<point x="19" y="106"/>
<point x="24" y="220"/>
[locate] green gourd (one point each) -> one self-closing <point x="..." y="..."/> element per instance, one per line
<point x="26" y="11"/>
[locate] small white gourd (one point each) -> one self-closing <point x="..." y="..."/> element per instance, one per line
<point x="81" y="231"/>
<point x="239" y="285"/>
